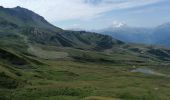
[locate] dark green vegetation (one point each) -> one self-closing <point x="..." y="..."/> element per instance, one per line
<point x="41" y="62"/>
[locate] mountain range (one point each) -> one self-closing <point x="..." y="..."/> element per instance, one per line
<point x="152" y="36"/>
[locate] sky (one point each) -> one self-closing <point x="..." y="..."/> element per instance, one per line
<point x="97" y="14"/>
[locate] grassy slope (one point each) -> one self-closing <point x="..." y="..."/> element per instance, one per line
<point x="86" y="75"/>
<point x="75" y="74"/>
<point x="75" y="81"/>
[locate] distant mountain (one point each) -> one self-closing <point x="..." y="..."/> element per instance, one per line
<point x="157" y="36"/>
<point x="161" y="35"/>
<point x="129" y="34"/>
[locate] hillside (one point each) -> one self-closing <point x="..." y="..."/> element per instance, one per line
<point x="22" y="23"/>
<point x="21" y="17"/>
<point x="39" y="61"/>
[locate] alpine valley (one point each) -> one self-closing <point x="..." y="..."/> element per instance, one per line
<point x="39" y="61"/>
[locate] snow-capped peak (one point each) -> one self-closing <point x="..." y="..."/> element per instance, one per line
<point x="117" y="24"/>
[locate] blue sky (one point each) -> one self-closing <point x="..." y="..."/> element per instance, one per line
<point x="98" y="14"/>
